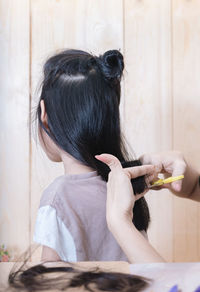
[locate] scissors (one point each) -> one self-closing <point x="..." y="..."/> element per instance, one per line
<point x="168" y="180"/>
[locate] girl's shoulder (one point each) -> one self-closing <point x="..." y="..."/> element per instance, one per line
<point x="53" y="190"/>
<point x="67" y="187"/>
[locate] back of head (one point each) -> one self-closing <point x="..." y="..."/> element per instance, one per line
<point x="81" y="93"/>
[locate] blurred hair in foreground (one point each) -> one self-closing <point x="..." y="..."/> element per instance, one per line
<point x="63" y="276"/>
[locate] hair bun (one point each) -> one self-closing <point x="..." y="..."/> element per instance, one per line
<point x="111" y="64"/>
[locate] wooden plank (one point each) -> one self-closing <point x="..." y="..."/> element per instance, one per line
<point x="67" y="24"/>
<point x="186" y="92"/>
<point x="14" y="130"/>
<point x="148" y="104"/>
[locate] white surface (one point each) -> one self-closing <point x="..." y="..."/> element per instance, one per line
<point x="166" y="275"/>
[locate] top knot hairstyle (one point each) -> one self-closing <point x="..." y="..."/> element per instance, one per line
<point x="81" y="93"/>
<point x="111" y="65"/>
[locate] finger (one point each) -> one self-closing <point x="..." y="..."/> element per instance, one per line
<point x="153" y="160"/>
<point x="137" y="197"/>
<point x="112" y="161"/>
<point x="179" y="168"/>
<point x="158" y="188"/>
<point x="136" y="171"/>
<point x="151" y="178"/>
<point x="165" y="172"/>
<point x="146" y="158"/>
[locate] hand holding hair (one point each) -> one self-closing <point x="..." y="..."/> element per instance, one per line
<point x="120" y="202"/>
<point x="120" y="197"/>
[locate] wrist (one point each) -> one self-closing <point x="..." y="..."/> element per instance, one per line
<point x="118" y="223"/>
<point x="191" y="183"/>
<point x="194" y="193"/>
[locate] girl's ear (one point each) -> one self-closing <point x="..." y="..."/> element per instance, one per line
<point x="43" y="114"/>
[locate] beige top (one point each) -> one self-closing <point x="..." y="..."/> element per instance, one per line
<point x="72" y="220"/>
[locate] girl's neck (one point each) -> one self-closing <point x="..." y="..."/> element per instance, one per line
<point x="73" y="166"/>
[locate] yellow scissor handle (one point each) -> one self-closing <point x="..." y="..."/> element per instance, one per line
<point x="168" y="180"/>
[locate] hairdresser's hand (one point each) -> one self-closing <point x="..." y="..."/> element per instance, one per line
<point x="172" y="163"/>
<point x="120" y="197"/>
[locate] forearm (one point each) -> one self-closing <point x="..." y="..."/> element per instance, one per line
<point x="133" y="243"/>
<point x="190" y="187"/>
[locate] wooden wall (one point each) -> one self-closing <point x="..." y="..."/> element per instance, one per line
<point x="160" y="106"/>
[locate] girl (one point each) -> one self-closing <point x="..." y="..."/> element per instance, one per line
<point x="78" y="116"/>
<point x="119" y="214"/>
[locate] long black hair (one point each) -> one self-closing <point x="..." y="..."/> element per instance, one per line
<point x="81" y="93"/>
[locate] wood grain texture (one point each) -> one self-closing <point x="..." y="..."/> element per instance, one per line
<point x="148" y="102"/>
<point x="14" y="129"/>
<point x="186" y="96"/>
<point x="67" y="24"/>
<point x="159" y="109"/>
